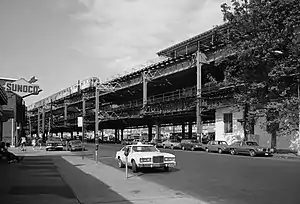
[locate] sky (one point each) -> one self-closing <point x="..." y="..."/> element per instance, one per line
<point x="63" y="41"/>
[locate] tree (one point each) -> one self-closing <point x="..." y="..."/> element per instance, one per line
<point x="263" y="36"/>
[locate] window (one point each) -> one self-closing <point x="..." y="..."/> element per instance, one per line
<point x="227" y="122"/>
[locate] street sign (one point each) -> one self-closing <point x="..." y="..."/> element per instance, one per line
<point x="22" y="87"/>
<point x="79" y="121"/>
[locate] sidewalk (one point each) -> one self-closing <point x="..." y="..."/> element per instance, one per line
<point x="33" y="181"/>
<point x="134" y="189"/>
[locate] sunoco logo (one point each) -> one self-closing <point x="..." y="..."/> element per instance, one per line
<point x="22" y="87"/>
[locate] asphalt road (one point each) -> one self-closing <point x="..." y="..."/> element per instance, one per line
<point x="223" y="178"/>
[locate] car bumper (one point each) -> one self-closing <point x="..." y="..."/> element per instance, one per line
<point x="54" y="147"/>
<point x="156" y="165"/>
<point x="264" y="153"/>
<point x="77" y="148"/>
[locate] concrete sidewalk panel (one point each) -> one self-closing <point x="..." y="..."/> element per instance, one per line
<point x="134" y="189"/>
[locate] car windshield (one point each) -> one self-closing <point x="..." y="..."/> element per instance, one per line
<point x="194" y="141"/>
<point x="222" y="143"/>
<point x="144" y="149"/>
<point x="251" y="143"/>
<point x="76" y="141"/>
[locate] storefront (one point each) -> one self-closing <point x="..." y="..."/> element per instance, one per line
<point x="3" y="101"/>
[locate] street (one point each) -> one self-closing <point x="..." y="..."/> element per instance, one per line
<point x="222" y="178"/>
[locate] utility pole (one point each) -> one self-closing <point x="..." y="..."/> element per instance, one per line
<point x="298" y="107"/>
<point x="97" y="115"/>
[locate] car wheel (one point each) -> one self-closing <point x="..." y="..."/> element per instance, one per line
<point x="182" y="148"/>
<point x="166" y="169"/>
<point x="220" y="151"/>
<point x="252" y="153"/>
<point x="134" y="167"/>
<point x="206" y="149"/>
<point x="120" y="163"/>
<point x="232" y="152"/>
<point x="193" y="148"/>
<point x="172" y="147"/>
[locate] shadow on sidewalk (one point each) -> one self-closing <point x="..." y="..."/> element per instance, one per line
<point x="87" y="188"/>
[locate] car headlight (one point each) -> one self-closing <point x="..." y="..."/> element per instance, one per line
<point x="260" y="149"/>
<point x="169" y="158"/>
<point x="145" y="160"/>
<point x="49" y="145"/>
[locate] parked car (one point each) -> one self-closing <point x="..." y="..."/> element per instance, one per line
<point x="75" y="145"/>
<point x="54" y="143"/>
<point x="171" y="143"/>
<point x="249" y="147"/>
<point x="217" y="146"/>
<point x="191" y="144"/>
<point x="145" y="156"/>
<point x="156" y="142"/>
<point x="127" y="141"/>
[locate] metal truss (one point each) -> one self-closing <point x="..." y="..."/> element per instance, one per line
<point x="108" y="87"/>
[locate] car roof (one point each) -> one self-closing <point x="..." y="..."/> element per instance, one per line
<point x="140" y="144"/>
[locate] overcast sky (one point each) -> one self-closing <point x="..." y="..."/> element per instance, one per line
<point x="61" y="41"/>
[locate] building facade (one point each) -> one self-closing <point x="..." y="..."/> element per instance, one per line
<point x="15" y="120"/>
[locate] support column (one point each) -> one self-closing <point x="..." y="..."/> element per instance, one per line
<point x="190" y="129"/>
<point x="43" y="124"/>
<point x="145" y="89"/>
<point x="150" y="132"/>
<point x="183" y="130"/>
<point x="38" y="123"/>
<point x="122" y="134"/>
<point x="158" y="128"/>
<point x="116" y="134"/>
<point x="65" y="114"/>
<point x="83" y="118"/>
<point x="97" y="115"/>
<point x="72" y="136"/>
<point x="30" y="128"/>
<point x="201" y="58"/>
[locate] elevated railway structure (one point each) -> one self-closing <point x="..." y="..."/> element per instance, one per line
<point x="179" y="89"/>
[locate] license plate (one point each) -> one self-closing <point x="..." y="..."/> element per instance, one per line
<point x="267" y="154"/>
<point x="170" y="165"/>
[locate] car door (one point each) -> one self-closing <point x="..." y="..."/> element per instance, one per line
<point x="243" y="148"/>
<point x="237" y="146"/>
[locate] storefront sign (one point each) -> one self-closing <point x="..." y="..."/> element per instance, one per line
<point x="22" y="87"/>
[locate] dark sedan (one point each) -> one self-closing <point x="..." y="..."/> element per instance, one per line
<point x="54" y="144"/>
<point x="217" y="146"/>
<point x="75" y="145"/>
<point x="249" y="147"/>
<point x="191" y="144"/>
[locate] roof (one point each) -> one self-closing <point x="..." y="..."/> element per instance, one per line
<point x="199" y="37"/>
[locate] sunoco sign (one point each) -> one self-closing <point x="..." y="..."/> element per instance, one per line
<point x="22" y="88"/>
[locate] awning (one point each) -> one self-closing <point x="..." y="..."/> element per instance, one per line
<point x="5" y="115"/>
<point x="3" y="96"/>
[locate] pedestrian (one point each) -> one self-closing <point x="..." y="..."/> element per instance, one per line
<point x="5" y="154"/>
<point x="40" y="143"/>
<point x="23" y="143"/>
<point x="33" y="142"/>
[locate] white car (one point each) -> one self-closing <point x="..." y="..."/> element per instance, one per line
<point x="145" y="156"/>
